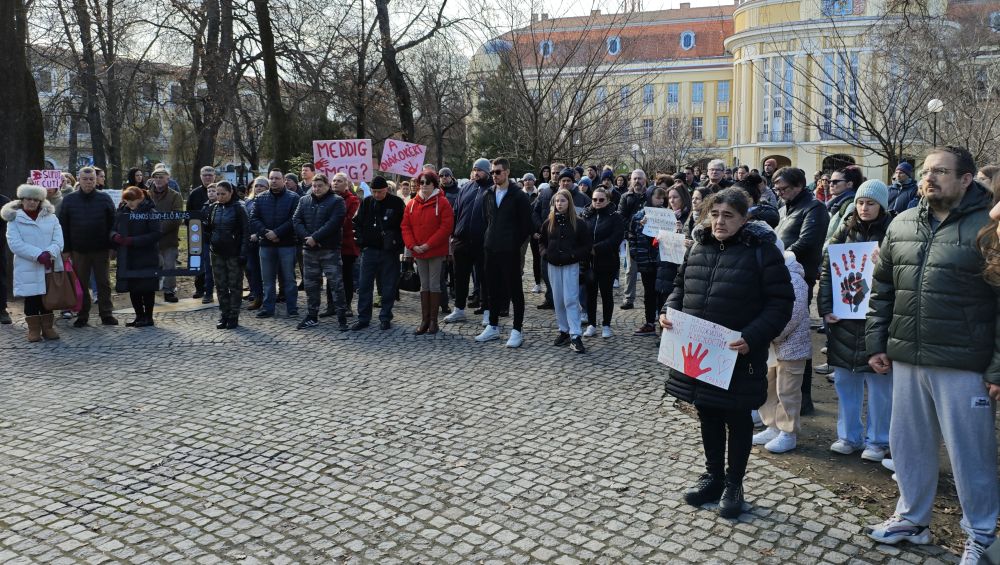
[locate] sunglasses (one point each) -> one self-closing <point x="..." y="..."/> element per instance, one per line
<point x="425" y="182"/>
<point x="497" y="172"/>
<point x="600" y="200"/>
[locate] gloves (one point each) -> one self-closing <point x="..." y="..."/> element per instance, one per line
<point x="46" y="259"/>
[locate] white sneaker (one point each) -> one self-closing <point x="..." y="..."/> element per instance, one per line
<point x="536" y="289"/>
<point x="888" y="464"/>
<point x="489" y="334"/>
<point x="515" y="339"/>
<point x="973" y="552"/>
<point x="591" y="331"/>
<point x="765" y="436"/>
<point x="486" y="317"/>
<point x="897" y="529"/>
<point x="843" y="447"/>
<point x="457" y="315"/>
<point x="784" y="442"/>
<point x="874" y="453"/>
<point x="606" y="332"/>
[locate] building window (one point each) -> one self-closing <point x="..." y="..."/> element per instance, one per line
<point x="687" y="40"/>
<point x="722" y="127"/>
<point x="994" y="21"/>
<point x="176" y="93"/>
<point x="697" y="92"/>
<point x="43" y="80"/>
<point x="697" y="128"/>
<point x="722" y="91"/>
<point x="647" y="95"/>
<point x="673" y="126"/>
<point x="545" y="48"/>
<point x="556" y="97"/>
<point x="840" y="96"/>
<point x="647" y="129"/>
<point x="626" y="131"/>
<point x="602" y="96"/>
<point x="614" y="45"/>
<point x="777" y="99"/>
<point x="673" y="93"/>
<point x="149" y="91"/>
<point x="625" y="94"/>
<point x="838" y="7"/>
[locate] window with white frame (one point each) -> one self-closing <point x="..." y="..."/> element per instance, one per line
<point x="840" y="95"/>
<point x="614" y="45"/>
<point x="647" y="95"/>
<point x="777" y="99"/>
<point x="697" y="92"/>
<point x="687" y="40"/>
<point x="722" y="127"/>
<point x="673" y="126"/>
<point x="624" y="95"/>
<point x="647" y="129"/>
<point x="722" y="91"/>
<point x="673" y="93"/>
<point x="602" y="96"/>
<point x="545" y="48"/>
<point x="697" y="128"/>
<point x="43" y="80"/>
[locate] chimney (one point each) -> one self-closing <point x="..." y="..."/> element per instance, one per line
<point x="595" y="13"/>
<point x="534" y="17"/>
<point x="685" y="5"/>
<point x="544" y="16"/>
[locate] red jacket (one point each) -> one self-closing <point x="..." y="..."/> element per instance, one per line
<point x="348" y="246"/>
<point x="428" y="222"/>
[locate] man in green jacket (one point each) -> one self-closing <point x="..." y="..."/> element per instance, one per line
<point x="932" y="322"/>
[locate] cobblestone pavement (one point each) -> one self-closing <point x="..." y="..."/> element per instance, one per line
<point x="181" y="443"/>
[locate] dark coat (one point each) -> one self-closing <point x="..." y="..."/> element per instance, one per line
<point x="321" y="219"/>
<point x="802" y="229"/>
<point x="640" y="246"/>
<point x="742" y="284"/>
<point x="846" y="338"/>
<point x="197" y="199"/>
<point x="902" y="197"/>
<point x="377" y="224"/>
<point x="87" y="221"/>
<point x="470" y="222"/>
<point x="274" y="212"/>
<point x="930" y="305"/>
<point x="607" y="232"/>
<point x="666" y="271"/>
<point x="509" y="225"/>
<point x="565" y="246"/>
<point x="766" y="213"/>
<point x="141" y="253"/>
<point x="228" y="228"/>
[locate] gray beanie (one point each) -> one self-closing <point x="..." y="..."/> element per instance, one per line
<point x="876" y="190"/>
<point x="482" y="164"/>
<point x="445" y="172"/>
<point x="528" y="176"/>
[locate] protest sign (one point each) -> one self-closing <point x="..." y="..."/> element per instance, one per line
<point x="402" y="157"/>
<point x="699" y="349"/>
<point x="658" y="219"/>
<point x="46" y="178"/>
<point x="672" y="247"/>
<point x="353" y="157"/>
<point x="852" y="266"/>
<point x="116" y="196"/>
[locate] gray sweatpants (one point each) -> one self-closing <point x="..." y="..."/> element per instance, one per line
<point x="930" y="404"/>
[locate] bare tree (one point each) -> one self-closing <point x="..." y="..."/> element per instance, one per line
<point x="280" y="124"/>
<point x="673" y="144"/>
<point x="441" y="94"/>
<point x="23" y="145"/>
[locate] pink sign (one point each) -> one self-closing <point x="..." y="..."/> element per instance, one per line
<point x="402" y="157"/>
<point x="353" y="157"/>
<point x="47" y="178"/>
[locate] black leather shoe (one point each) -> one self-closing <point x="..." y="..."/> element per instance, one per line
<point x="627" y="306"/>
<point x="358" y="326"/>
<point x="197" y="294"/>
<point x="384" y="325"/>
<point x="169" y="297"/>
<point x="330" y="311"/>
<point x="265" y="314"/>
<point x="731" y="505"/>
<point x="109" y="321"/>
<point x="708" y="489"/>
<point x="207" y="299"/>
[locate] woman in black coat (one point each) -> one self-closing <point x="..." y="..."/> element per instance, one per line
<point x="734" y="276"/>
<point x="678" y="200"/>
<point x="607" y="230"/>
<point x="138" y="253"/>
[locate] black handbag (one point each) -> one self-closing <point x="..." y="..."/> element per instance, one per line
<point x="408" y="278"/>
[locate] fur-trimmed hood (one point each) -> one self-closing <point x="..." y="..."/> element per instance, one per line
<point x="9" y="211"/>
<point x="752" y="234"/>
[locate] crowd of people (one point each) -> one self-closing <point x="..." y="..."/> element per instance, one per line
<point x="756" y="242"/>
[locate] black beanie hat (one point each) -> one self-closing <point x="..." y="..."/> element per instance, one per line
<point x="568" y="173"/>
<point x="379" y="182"/>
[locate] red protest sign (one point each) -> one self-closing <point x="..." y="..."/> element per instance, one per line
<point x="46" y="178"/>
<point x="402" y="157"/>
<point x="349" y="156"/>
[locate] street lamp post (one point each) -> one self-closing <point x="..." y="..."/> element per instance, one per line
<point x="934" y="106"/>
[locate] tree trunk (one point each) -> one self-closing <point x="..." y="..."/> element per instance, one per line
<point x="88" y="77"/>
<point x="281" y="124"/>
<point x="22" y="147"/>
<point x="397" y="79"/>
<point x="73" y="151"/>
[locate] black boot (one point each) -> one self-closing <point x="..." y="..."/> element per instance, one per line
<point x="807" y="400"/>
<point x="223" y="323"/>
<point x="342" y="323"/>
<point x="234" y="322"/>
<point x="731" y="505"/>
<point x="707" y="489"/>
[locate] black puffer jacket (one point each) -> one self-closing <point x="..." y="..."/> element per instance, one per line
<point x="930" y="305"/>
<point x="640" y="246"/>
<point x="846" y="338"/>
<point x="742" y="284"/>
<point x="802" y="229"/>
<point x="87" y="221"/>
<point x="228" y="228"/>
<point x="320" y="218"/>
<point x="606" y="232"/>
<point x="138" y="261"/>
<point x="566" y="246"/>
<point x="630" y="204"/>
<point x="274" y="212"/>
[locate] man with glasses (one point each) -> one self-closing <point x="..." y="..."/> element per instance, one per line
<point x="717" y="173"/>
<point x="467" y="240"/>
<point x="932" y="322"/>
<point x="508" y="225"/>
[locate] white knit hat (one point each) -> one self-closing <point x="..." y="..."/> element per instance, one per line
<point x="31" y="191"/>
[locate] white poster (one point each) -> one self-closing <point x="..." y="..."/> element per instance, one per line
<point x="672" y="247"/>
<point x="699" y="349"/>
<point x="46" y="178"/>
<point x="658" y="219"/>
<point x="116" y="196"/>
<point x="851" y="271"/>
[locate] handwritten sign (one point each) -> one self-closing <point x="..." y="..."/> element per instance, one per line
<point x="852" y="267"/>
<point x="402" y="157"/>
<point x="672" y="247"/>
<point x="46" y="178"/>
<point x="353" y="157"/>
<point x="699" y="349"/>
<point x="659" y="219"/>
<point x="116" y="196"/>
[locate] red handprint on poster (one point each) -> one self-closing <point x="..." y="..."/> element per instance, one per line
<point x="698" y="348"/>
<point x="693" y="359"/>
<point x="851" y="278"/>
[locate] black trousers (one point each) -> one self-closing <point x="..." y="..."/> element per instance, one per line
<point x="469" y="257"/>
<point x="603" y="282"/>
<point x="719" y="427"/>
<point x="33" y="306"/>
<point x="503" y="278"/>
<point x="650" y="298"/>
<point x="142" y="303"/>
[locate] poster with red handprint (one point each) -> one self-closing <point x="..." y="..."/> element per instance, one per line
<point x="851" y="269"/>
<point x="402" y="157"/>
<point x="698" y="348"/>
<point x="353" y="157"/>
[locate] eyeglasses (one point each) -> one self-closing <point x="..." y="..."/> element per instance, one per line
<point x="718" y="170"/>
<point x="835" y="181"/>
<point x="936" y="171"/>
<point x="497" y="172"/>
<point x="600" y="200"/>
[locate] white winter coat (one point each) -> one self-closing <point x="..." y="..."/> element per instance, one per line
<point x="794" y="344"/>
<point x="27" y="240"/>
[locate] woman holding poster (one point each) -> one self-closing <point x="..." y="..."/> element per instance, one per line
<point x="644" y="251"/>
<point x="734" y="277"/>
<point x="867" y="222"/>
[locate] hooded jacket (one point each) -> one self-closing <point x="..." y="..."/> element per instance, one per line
<point x="378" y="223"/>
<point x="742" y="284"/>
<point x="803" y="231"/>
<point x="428" y="222"/>
<point x="606" y="232"/>
<point x="470" y="224"/>
<point x="930" y="305"/>
<point x="27" y="239"/>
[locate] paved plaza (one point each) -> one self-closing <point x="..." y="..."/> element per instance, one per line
<point x="185" y="444"/>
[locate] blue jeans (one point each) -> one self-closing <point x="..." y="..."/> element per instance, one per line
<point x="273" y="260"/>
<point x="385" y="266"/>
<point x="851" y="393"/>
